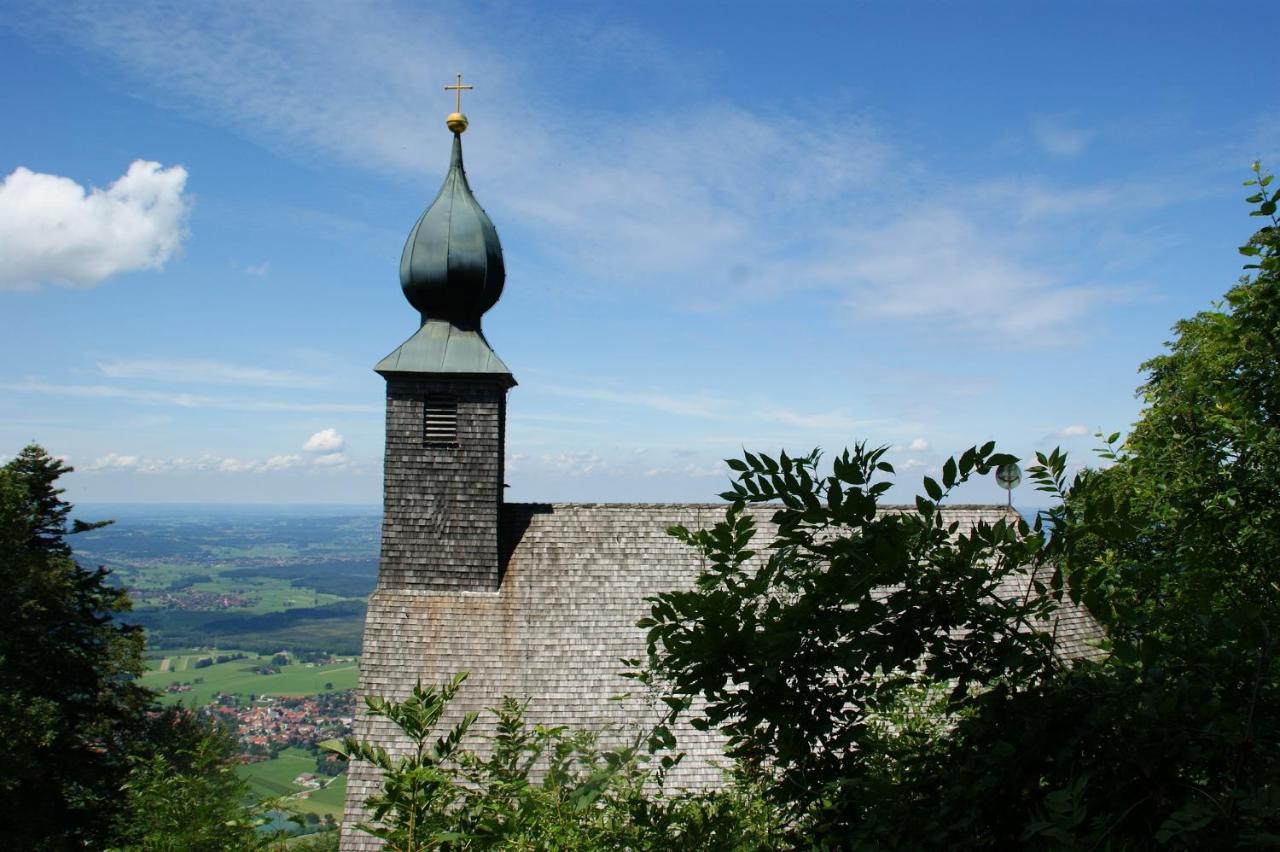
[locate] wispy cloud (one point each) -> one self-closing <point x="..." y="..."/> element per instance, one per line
<point x="742" y="205"/>
<point x="826" y="421"/>
<point x="53" y="231"/>
<point x="1058" y="137"/>
<point x="192" y="371"/>
<point x="699" y="406"/>
<point x="217" y="464"/>
<point x="183" y="400"/>
<point x="940" y="266"/>
<point x="258" y="270"/>
<point x="708" y="406"/>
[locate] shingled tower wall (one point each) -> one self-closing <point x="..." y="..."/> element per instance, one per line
<point x="442" y="501"/>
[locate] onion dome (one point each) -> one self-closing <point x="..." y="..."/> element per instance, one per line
<point x="451" y="268"/>
<point x="451" y="271"/>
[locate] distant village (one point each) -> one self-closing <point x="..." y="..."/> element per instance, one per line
<point x="266" y="725"/>
<point x="189" y="599"/>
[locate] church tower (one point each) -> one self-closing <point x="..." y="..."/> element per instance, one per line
<point x="446" y="400"/>
<point x="559" y="602"/>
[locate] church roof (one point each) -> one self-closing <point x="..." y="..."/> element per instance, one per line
<point x="564" y="616"/>
<point x="441" y="347"/>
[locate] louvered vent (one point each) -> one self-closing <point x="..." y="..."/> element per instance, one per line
<point x="441" y="420"/>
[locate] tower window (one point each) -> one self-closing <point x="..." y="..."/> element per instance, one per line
<point x="440" y="420"/>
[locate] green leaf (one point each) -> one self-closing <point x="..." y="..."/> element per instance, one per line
<point x="933" y="488"/>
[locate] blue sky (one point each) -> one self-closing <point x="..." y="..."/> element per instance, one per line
<point x="725" y="225"/>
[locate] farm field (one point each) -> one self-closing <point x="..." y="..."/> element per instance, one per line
<point x="239" y="677"/>
<point x="272" y="779"/>
<point x="248" y="581"/>
<point x="258" y="578"/>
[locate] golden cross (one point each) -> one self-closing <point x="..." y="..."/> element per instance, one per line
<point x="457" y="89"/>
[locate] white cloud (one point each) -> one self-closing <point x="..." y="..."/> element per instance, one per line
<point x="258" y="270"/>
<point x="825" y="421"/>
<point x="1070" y="432"/>
<point x="700" y="406"/>
<point x="54" y="232"/>
<point x="829" y="208"/>
<point x="706" y="406"/>
<point x="198" y="371"/>
<point x="918" y="445"/>
<point x="183" y="400"/>
<point x="1058" y="138"/>
<point x="576" y="463"/>
<point x="325" y="441"/>
<point x="959" y="274"/>
<point x="113" y="461"/>
<point x="330" y="460"/>
<point x="280" y="463"/>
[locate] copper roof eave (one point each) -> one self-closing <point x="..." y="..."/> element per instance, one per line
<point x="507" y="380"/>
<point x="440" y="348"/>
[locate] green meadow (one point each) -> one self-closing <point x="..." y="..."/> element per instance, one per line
<point x="239" y="677"/>
<point x="273" y="779"/>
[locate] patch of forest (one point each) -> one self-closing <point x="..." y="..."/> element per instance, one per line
<point x="335" y="628"/>
<point x="348" y="578"/>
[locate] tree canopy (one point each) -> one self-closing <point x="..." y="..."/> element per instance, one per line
<point x="70" y="706"/>
<point x="930" y="713"/>
<point x="88" y="760"/>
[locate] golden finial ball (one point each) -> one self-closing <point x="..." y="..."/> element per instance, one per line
<point x="457" y="122"/>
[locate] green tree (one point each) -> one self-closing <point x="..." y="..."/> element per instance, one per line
<point x="912" y="719"/>
<point x="854" y="625"/>
<point x="88" y="760"/>
<point x="1193" y="496"/>
<point x="412" y="812"/>
<point x="538" y="788"/>
<point x="1176" y="547"/>
<point x="70" y="706"/>
<point x="182" y="793"/>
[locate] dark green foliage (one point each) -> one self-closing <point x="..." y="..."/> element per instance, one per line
<point x="348" y="578"/>
<point x="183" y="793"/>
<point x="1177" y="542"/>
<point x="1168" y="740"/>
<point x="413" y="810"/>
<point x="87" y="760"/>
<point x="333" y="628"/>
<point x="539" y="788"/>
<point x="325" y="841"/>
<point x="69" y="705"/>
<point x="835" y="661"/>
<point x="1176" y="546"/>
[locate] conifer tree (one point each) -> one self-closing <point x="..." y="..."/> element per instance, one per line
<point x="70" y="705"/>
